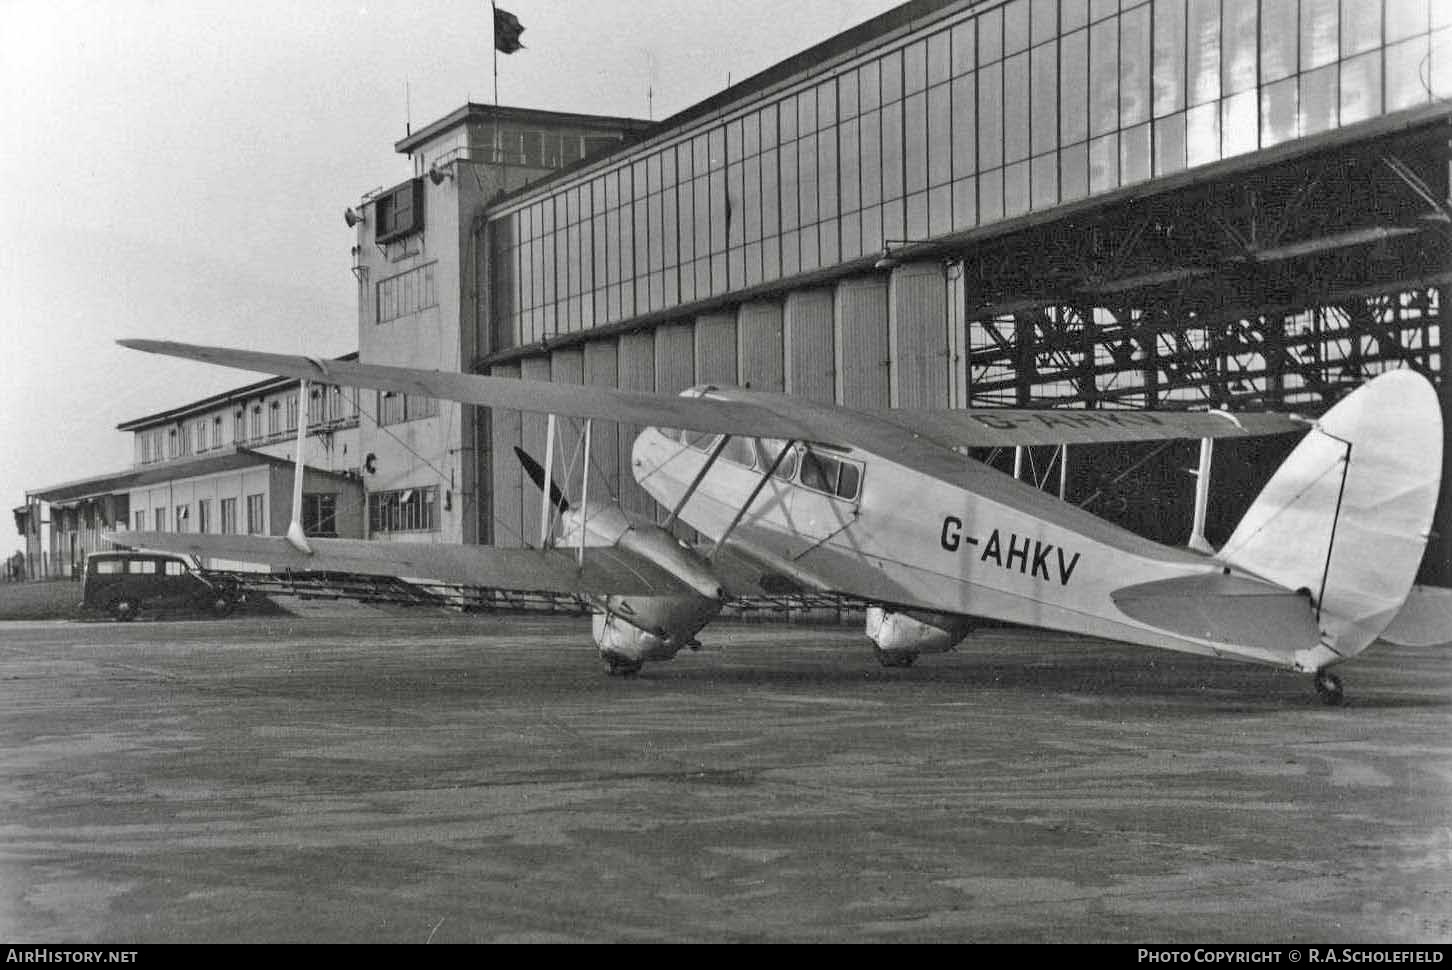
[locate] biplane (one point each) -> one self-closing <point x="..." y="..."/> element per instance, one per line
<point x="886" y="507"/>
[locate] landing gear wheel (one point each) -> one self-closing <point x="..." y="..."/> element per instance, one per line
<point x="901" y="660"/>
<point x="622" y="668"/>
<point x="1328" y="685"/>
<point x="123" y="610"/>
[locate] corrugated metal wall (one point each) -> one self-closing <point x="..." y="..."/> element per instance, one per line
<point x="567" y="366"/>
<point x="637" y="373"/>
<point x="957" y="338"/>
<point x="860" y="350"/>
<point x="533" y="426"/>
<point x="807" y="333"/>
<point x="506" y="474"/>
<point x="716" y="348"/>
<point x="602" y="370"/>
<point x="675" y="356"/>
<point x="759" y="349"/>
<point x="864" y="342"/>
<point x="917" y="327"/>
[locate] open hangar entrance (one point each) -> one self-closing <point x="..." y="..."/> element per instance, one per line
<point x="1280" y="286"/>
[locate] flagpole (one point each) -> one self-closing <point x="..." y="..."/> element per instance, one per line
<point x="494" y="44"/>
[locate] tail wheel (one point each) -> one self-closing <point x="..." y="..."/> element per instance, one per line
<point x="1328" y="686"/>
<point x="124" y="609"/>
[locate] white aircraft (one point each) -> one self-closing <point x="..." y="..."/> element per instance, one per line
<point x="796" y="495"/>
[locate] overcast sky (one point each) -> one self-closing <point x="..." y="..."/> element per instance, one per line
<point x="179" y="168"/>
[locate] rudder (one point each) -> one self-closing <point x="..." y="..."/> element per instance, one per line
<point x="1348" y="513"/>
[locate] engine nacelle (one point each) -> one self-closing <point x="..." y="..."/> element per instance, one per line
<point x="629" y="630"/>
<point x="900" y="636"/>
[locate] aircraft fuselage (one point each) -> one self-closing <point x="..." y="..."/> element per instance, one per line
<point x="982" y="545"/>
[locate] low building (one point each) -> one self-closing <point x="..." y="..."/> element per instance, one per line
<point x="222" y="464"/>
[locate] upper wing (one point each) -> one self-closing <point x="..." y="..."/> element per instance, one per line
<point x="753" y="413"/>
<point x="1009" y="427"/>
<point x="605" y="571"/>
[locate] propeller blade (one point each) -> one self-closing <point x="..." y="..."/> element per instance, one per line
<point x="536" y="474"/>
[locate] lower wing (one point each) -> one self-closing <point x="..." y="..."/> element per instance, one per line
<point x="604" y="571"/>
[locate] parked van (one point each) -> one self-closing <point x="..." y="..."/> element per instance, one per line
<point x="125" y="583"/>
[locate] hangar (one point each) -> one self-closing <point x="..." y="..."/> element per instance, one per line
<point x="1079" y="203"/>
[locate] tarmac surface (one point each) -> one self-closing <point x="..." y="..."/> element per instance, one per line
<point x="448" y="778"/>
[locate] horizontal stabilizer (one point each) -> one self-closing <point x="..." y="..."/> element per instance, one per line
<point x="606" y="571"/>
<point x="1226" y="610"/>
<point x="1425" y="619"/>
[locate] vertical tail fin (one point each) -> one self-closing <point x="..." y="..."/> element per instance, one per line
<point x="1347" y="515"/>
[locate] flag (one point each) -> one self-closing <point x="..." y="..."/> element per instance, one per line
<point x="507" y="29"/>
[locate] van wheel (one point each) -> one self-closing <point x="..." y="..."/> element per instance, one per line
<point x="124" y="609"/>
<point x="221" y="605"/>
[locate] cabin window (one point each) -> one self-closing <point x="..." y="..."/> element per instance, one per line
<point x="769" y="448"/>
<point x="106" y="567"/>
<point x="175" y="567"/>
<point x="740" y="451"/>
<point x="141" y="567"/>
<point x="823" y="473"/>
<point x="699" y="440"/>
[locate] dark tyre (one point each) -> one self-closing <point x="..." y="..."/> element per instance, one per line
<point x="221" y="605"/>
<point x="1328" y="686"/>
<point x="124" y="609"/>
<point x="896" y="659"/>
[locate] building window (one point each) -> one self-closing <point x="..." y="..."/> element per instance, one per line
<point x="406" y="293"/>
<point x="255" y="524"/>
<point x="319" y="514"/>
<point x="405" y="510"/>
<point x="160" y="520"/>
<point x="326" y="405"/>
<point x="204" y="515"/>
<point x="183" y="513"/>
<point x="395" y="408"/>
<point x="291" y="424"/>
<point x="199" y="437"/>
<point x="256" y="421"/>
<point x="239" y="426"/>
<point x="139" y="520"/>
<point x="399" y="212"/>
<point x="229" y="516"/>
<point x="173" y="449"/>
<point x="274" y="418"/>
